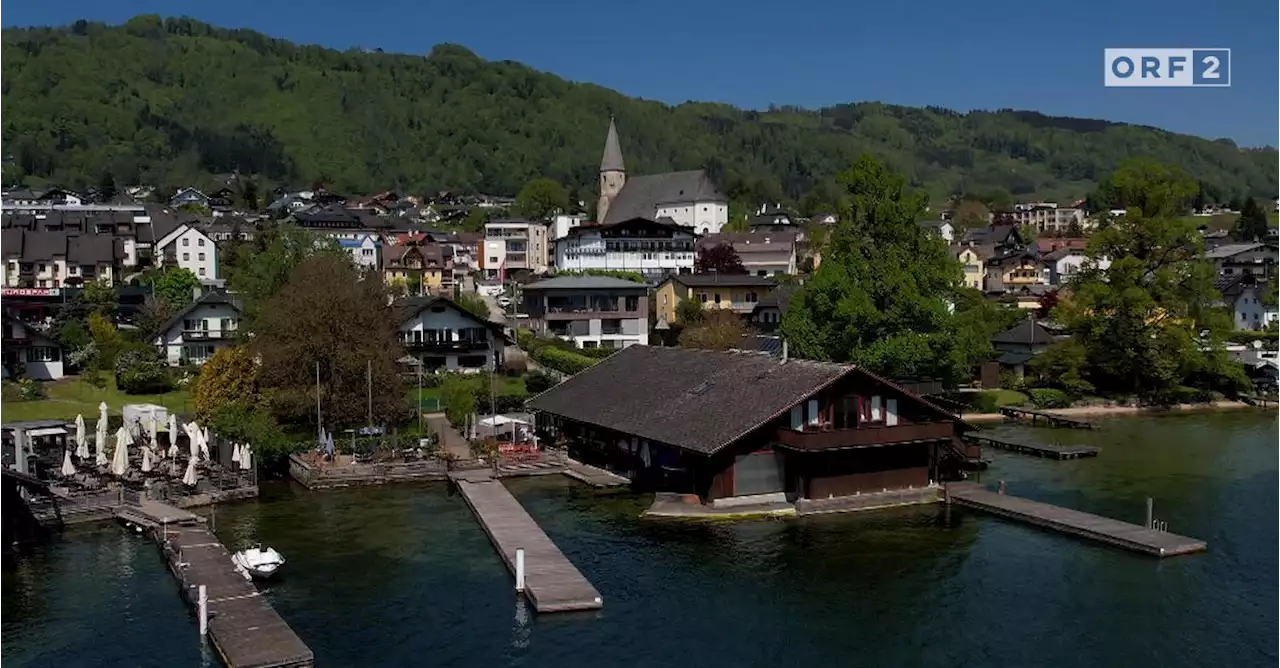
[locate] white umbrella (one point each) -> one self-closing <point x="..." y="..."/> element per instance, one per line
<point x="173" y="435"/>
<point x="102" y="411"/>
<point x="68" y="469"/>
<point x="193" y="435"/>
<point x="246" y="460"/>
<point x="204" y="444"/>
<point x="101" y="442"/>
<point x="120" y="458"/>
<point x="235" y="452"/>
<point x="146" y="460"/>
<point x="82" y="439"/>
<point x="151" y="430"/>
<point x="189" y="479"/>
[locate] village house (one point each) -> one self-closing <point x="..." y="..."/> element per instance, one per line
<point x="1002" y="236"/>
<point x="974" y="261"/>
<point x="513" y="246"/>
<point x="1048" y="217"/>
<point x="942" y="229"/>
<point x="195" y="333"/>
<point x="733" y="427"/>
<point x="1064" y="263"/>
<point x="762" y="253"/>
<point x="1019" y="344"/>
<point x="1257" y="259"/>
<point x="187" y="247"/>
<point x="417" y="265"/>
<point x="189" y="197"/>
<point x="1013" y="270"/>
<point x="1242" y="294"/>
<point x="442" y="336"/>
<point x="651" y="248"/>
<point x="686" y="198"/>
<point x="767" y="315"/>
<point x="28" y="353"/>
<point x="590" y="311"/>
<point x="737" y="292"/>
<point x="359" y="233"/>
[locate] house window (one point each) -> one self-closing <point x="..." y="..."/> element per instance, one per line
<point x="42" y="354"/>
<point x="186" y="242"/>
<point x="493" y="259"/>
<point x="633" y="303"/>
<point x="202" y="271"/>
<point x="200" y="243"/>
<point x="876" y="414"/>
<point x="717" y="298"/>
<point x="702" y="297"/>
<point x="366" y="252"/>
<point x="751" y="298"/>
<point x="186" y="257"/>
<point x="200" y="257"/>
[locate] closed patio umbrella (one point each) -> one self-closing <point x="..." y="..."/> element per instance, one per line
<point x="100" y="440"/>
<point x="204" y="444"/>
<point x="68" y="469"/>
<point x="82" y="439"/>
<point x="146" y="459"/>
<point x="235" y="452"/>
<point x="246" y="459"/>
<point x="173" y="435"/>
<point x="152" y="428"/>
<point x="120" y="458"/>
<point x="193" y="433"/>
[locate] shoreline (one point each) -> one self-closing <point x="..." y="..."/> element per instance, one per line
<point x="1080" y="411"/>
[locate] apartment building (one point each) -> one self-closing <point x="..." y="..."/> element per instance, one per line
<point x="514" y="245"/>
<point x="591" y="311"/>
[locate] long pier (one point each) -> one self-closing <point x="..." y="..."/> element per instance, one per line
<point x="244" y="630"/>
<point x="1132" y="537"/>
<point x="1049" y="419"/>
<point x="552" y="583"/>
<point x="1035" y="449"/>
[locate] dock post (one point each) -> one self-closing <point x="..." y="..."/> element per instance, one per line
<point x="519" y="569"/>
<point x="203" y="610"/>
<point x="1002" y="487"/>
<point x="1150" y="507"/>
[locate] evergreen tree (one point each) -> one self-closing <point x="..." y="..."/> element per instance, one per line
<point x="1252" y="225"/>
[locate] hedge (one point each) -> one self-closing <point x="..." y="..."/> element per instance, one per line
<point x="562" y="360"/>
<point x="1043" y="397"/>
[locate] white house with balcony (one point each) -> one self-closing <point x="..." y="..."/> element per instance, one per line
<point x="192" y="336"/>
<point x="513" y="245"/>
<point x="653" y="249"/>
<point x="188" y="248"/>
<point x="441" y="336"/>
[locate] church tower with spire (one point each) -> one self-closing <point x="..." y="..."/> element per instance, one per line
<point x="613" y="174"/>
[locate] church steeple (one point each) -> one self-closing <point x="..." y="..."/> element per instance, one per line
<point x="613" y="173"/>
<point x="611" y="161"/>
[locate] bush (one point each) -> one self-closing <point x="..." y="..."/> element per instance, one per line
<point x="1043" y="397"/>
<point x="1010" y="381"/>
<point x="142" y="371"/>
<point x="538" y="382"/>
<point x="563" y="360"/>
<point x="598" y="353"/>
<point x="986" y="402"/>
<point x="503" y="403"/>
<point x="23" y="390"/>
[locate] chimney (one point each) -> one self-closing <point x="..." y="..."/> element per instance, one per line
<point x="785" y="351"/>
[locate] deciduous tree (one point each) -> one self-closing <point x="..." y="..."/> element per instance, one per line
<point x="269" y="266"/>
<point x="174" y="286"/>
<point x="541" y="199"/>
<point x="719" y="329"/>
<point x="720" y="258"/>
<point x="881" y="296"/>
<point x="229" y="377"/>
<point x="330" y="314"/>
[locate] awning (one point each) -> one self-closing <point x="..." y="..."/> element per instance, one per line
<point x="47" y="431"/>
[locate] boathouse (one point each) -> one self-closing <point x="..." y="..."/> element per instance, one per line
<point x="737" y="424"/>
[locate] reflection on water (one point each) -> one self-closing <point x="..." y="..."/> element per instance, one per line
<point x="399" y="576"/>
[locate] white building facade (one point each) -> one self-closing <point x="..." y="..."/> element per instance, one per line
<point x="199" y="331"/>
<point x="190" y="249"/>
<point x="653" y="249"/>
<point x="443" y="337"/>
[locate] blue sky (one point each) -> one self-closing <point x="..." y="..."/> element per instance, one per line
<point x="1023" y="54"/>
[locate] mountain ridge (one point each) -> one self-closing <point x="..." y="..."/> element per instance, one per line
<point x="171" y="101"/>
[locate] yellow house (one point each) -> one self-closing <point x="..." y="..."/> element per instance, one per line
<point x="973" y="259"/>
<point x="419" y="266"/>
<point x="1014" y="270"/>
<point x="739" y="292"/>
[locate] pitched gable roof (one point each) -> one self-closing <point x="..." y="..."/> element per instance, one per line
<point x="1027" y="332"/>
<point x="207" y="299"/>
<point x="726" y="280"/>
<point x="699" y="400"/>
<point x="406" y="309"/>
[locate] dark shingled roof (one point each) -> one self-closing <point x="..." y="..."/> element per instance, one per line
<point x="1027" y="332"/>
<point x="694" y="399"/>
<point x="780" y="298"/>
<point x="215" y="297"/>
<point x="727" y="280"/>
<point x="412" y="306"/>
<point x="584" y="283"/>
<point x="641" y="195"/>
<point x="611" y="161"/>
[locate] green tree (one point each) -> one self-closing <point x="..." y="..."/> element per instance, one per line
<point x="542" y="198"/>
<point x="719" y="329"/>
<point x="1252" y="224"/>
<point x="249" y="195"/>
<point x="689" y="312"/>
<point x="268" y="268"/>
<point x="1148" y="323"/>
<point x="107" y="187"/>
<point x="970" y="213"/>
<point x="880" y="298"/>
<point x="100" y="297"/>
<point x="228" y="378"/>
<point x="472" y="303"/>
<point x="458" y="394"/>
<point x="174" y="286"/>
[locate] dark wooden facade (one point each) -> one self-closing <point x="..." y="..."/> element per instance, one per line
<point x="859" y="435"/>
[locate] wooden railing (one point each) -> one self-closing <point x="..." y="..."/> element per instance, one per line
<point x="816" y="438"/>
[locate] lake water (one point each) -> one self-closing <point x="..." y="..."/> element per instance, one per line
<point x="403" y="575"/>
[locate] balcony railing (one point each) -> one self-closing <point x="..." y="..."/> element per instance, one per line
<point x="206" y="334"/>
<point x="438" y="346"/>
<point x="815" y="438"/>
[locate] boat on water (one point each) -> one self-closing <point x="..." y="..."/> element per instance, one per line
<point x="259" y="562"/>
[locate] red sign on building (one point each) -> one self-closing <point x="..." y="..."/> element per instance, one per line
<point x="29" y="292"/>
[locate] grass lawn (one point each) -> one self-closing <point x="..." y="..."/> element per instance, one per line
<point x="429" y="397"/>
<point x="71" y="396"/>
<point x="1008" y="397"/>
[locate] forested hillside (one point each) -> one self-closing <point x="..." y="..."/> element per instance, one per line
<point x="169" y="101"/>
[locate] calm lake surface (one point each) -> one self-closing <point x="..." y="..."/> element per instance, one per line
<point x="403" y="575"/>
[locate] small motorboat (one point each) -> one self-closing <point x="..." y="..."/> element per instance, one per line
<point x="259" y="562"/>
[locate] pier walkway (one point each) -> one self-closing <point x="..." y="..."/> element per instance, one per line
<point x="244" y="630"/>
<point x="1035" y="449"/>
<point x="552" y="582"/>
<point x="1065" y="520"/>
<point x="594" y="476"/>
<point x="1050" y="419"/>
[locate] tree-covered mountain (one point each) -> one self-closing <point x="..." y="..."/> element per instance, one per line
<point x="169" y="101"/>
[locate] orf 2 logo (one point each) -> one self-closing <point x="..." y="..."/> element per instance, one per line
<point x="1168" y="67"/>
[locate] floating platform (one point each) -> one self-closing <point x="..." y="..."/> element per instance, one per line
<point x="594" y="476"/>
<point x="552" y="582"/>
<point x="1132" y="537"/>
<point x="1049" y="419"/>
<point x="244" y="630"/>
<point x="1035" y="449"/>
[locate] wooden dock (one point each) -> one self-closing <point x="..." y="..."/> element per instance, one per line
<point x="594" y="476"/>
<point x="552" y="582"/>
<point x="1103" y="529"/>
<point x="244" y="630"/>
<point x="1035" y="449"/>
<point x="1049" y="419"/>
